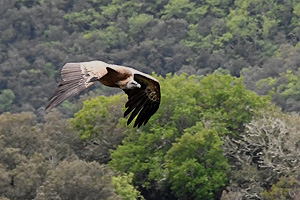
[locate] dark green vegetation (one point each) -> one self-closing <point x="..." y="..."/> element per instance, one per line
<point x="211" y="138"/>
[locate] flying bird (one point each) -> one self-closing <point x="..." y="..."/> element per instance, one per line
<point x="143" y="90"/>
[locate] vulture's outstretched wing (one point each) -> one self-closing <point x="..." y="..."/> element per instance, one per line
<point x="76" y="78"/>
<point x="142" y="102"/>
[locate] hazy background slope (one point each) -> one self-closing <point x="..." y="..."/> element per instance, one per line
<point x="256" y="39"/>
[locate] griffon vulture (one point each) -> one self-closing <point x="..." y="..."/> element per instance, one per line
<point x="143" y="90"/>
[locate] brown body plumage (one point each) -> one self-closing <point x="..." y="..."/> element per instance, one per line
<point x="143" y="90"/>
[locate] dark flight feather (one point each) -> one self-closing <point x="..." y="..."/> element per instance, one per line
<point x="140" y="103"/>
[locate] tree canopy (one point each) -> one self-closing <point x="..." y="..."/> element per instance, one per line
<point x="256" y="39"/>
<point x="216" y="135"/>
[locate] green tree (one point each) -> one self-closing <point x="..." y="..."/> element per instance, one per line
<point x="123" y="187"/>
<point x="195" y="163"/>
<point x="138" y="25"/>
<point x="285" y="87"/>
<point x="19" y="131"/>
<point x="27" y="177"/>
<point x="77" y="180"/>
<point x="60" y="141"/>
<point x="11" y="157"/>
<point x="177" y="9"/>
<point x="98" y="126"/>
<point x="97" y="116"/>
<point x="218" y="102"/>
<point x="5" y="181"/>
<point x="6" y="100"/>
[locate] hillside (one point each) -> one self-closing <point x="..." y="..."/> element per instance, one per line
<point x="256" y="39"/>
<point x="227" y="127"/>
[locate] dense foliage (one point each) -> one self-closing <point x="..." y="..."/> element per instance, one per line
<point x="208" y="140"/>
<point x="182" y="147"/>
<point x="256" y="39"/>
<point x="211" y="138"/>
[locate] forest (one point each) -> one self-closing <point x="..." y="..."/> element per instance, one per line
<point x="228" y="127"/>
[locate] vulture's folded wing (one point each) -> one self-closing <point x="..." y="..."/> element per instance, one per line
<point x="142" y="102"/>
